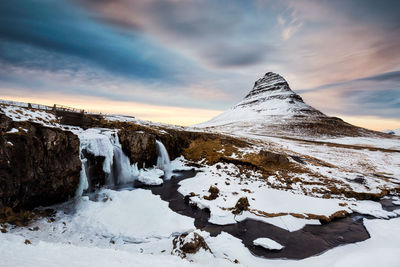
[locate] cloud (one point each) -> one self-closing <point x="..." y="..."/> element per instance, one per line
<point x="377" y="95"/>
<point x="291" y="25"/>
<point x="54" y="35"/>
<point x="203" y="53"/>
<point x="281" y="20"/>
<point x="389" y="76"/>
<point x="218" y="34"/>
<point x="290" y="30"/>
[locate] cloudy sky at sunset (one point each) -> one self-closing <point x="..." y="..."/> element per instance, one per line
<point x="185" y="61"/>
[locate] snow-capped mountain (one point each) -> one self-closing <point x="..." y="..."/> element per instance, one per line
<point x="272" y="108"/>
<point x="270" y="97"/>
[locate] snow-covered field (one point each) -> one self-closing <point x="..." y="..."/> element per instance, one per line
<point x="21" y="113"/>
<point x="394" y="132"/>
<point x="137" y="228"/>
<point x="121" y="232"/>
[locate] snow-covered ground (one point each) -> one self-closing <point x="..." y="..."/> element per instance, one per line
<point x="136" y="228"/>
<point x="75" y="241"/>
<point x="21" y="113"/>
<point x="358" y="164"/>
<point x="394" y="132"/>
<point x="265" y="204"/>
<point x="385" y="143"/>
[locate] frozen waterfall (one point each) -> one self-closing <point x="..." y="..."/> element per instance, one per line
<point x="83" y="180"/>
<point x="123" y="172"/>
<point x="116" y="166"/>
<point x="163" y="161"/>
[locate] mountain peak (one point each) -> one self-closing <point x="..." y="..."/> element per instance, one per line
<point x="270" y="100"/>
<point x="270" y="82"/>
<point x="271" y="96"/>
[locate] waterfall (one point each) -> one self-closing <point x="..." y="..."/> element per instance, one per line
<point x="123" y="171"/>
<point x="163" y="161"/>
<point x="83" y="180"/>
<point x="116" y="166"/>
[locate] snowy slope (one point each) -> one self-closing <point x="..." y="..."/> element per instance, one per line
<point x="393" y="132"/>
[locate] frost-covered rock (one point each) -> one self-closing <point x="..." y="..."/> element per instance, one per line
<point x="189" y="243"/>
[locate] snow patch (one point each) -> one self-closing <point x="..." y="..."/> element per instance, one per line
<point x="267" y="243"/>
<point x="151" y="176"/>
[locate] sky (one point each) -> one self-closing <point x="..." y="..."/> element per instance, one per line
<point x="185" y="61"/>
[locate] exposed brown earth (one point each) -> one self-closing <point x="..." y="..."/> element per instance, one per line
<point x="307" y="216"/>
<point x="22" y="217"/>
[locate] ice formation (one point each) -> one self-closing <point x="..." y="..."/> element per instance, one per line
<point x="163" y="161"/>
<point x="117" y="166"/>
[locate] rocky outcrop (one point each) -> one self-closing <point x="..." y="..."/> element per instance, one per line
<point x="82" y="120"/>
<point x="241" y="205"/>
<point x="139" y="146"/>
<point x="271" y="94"/>
<point x="38" y="165"/>
<point x="94" y="170"/>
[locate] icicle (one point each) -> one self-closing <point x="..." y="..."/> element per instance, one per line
<point x="163" y="161"/>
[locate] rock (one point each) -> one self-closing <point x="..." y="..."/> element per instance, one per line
<point x="188" y="244"/>
<point x="241" y="205"/>
<point x="139" y="146"/>
<point x="214" y="191"/>
<point x="41" y="168"/>
<point x="94" y="170"/>
<point x="270" y="158"/>
<point x="82" y="120"/>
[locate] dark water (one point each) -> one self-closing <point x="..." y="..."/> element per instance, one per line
<point x="306" y="242"/>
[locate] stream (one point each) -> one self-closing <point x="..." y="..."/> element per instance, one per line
<point x="306" y="242"/>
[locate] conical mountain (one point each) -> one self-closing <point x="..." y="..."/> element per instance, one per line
<point x="272" y="108"/>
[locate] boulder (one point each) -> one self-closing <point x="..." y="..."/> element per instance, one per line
<point x="188" y="243"/>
